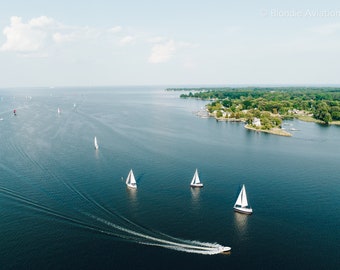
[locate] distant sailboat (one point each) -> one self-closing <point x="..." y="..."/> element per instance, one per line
<point x="195" y="182"/>
<point x="130" y="180"/>
<point x="95" y="143"/>
<point x="58" y="111"/>
<point x="241" y="205"/>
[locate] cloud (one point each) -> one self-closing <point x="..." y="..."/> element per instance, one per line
<point x="115" y="29"/>
<point x="69" y="34"/>
<point x="41" y="21"/>
<point x="26" y="37"/>
<point x="37" y="35"/>
<point x="162" y="52"/>
<point x="127" y="40"/>
<point x="60" y="38"/>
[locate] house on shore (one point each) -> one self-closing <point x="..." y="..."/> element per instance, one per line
<point x="256" y="122"/>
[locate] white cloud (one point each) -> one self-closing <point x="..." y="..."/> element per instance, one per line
<point x="68" y="34"/>
<point x="26" y="37"/>
<point x="41" y="21"/>
<point x="162" y="52"/>
<point x="115" y="29"/>
<point x="60" y="38"/>
<point x="38" y="34"/>
<point x="127" y="40"/>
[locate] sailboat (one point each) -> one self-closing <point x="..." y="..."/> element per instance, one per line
<point x="195" y="182"/>
<point x="130" y="180"/>
<point x="95" y="143"/>
<point x="58" y="111"/>
<point x="241" y="205"/>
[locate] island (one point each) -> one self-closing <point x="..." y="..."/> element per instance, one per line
<point x="264" y="108"/>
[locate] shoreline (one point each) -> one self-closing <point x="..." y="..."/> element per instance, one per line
<point x="274" y="131"/>
<point x="313" y="120"/>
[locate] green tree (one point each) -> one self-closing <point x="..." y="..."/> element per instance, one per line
<point x="227" y="103"/>
<point x="219" y="114"/>
<point x="327" y="118"/>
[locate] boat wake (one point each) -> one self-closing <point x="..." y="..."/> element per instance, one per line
<point x="126" y="230"/>
<point x="175" y="244"/>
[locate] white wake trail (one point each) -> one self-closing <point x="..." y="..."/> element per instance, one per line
<point x="180" y="245"/>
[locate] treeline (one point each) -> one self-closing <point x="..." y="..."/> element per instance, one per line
<point x="322" y="102"/>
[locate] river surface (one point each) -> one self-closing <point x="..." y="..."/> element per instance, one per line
<point x="65" y="205"/>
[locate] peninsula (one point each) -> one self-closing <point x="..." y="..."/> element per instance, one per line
<point x="264" y="108"/>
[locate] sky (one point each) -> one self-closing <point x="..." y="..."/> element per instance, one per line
<point x="172" y="43"/>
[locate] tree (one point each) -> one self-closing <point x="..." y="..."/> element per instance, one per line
<point x="219" y="114"/>
<point x="327" y="118"/>
<point x="322" y="112"/>
<point x="227" y="103"/>
<point x="247" y="104"/>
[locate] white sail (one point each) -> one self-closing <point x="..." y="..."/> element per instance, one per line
<point x="95" y="143"/>
<point x="130" y="180"/>
<point x="195" y="179"/>
<point x="58" y="110"/>
<point x="239" y="198"/>
<point x="242" y="198"/>
<point x="195" y="182"/>
<point x="244" y="201"/>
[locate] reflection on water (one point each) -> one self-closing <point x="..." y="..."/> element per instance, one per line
<point x="195" y="195"/>
<point x="241" y="222"/>
<point x="195" y="198"/>
<point x="132" y="195"/>
<point x="96" y="154"/>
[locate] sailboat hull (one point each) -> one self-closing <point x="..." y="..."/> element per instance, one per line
<point x="199" y="185"/>
<point x="247" y="211"/>
<point x="133" y="186"/>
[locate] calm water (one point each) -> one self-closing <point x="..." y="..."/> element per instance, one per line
<point x="64" y="205"/>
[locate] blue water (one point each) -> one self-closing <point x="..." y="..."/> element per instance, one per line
<point x="64" y="205"/>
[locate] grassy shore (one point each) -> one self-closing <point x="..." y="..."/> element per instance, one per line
<point x="275" y="131"/>
<point x="308" y="118"/>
